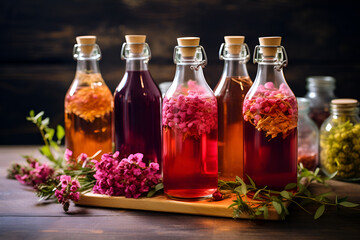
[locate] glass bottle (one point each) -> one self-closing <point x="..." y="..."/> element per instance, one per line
<point x="308" y="137"/>
<point x="88" y="103"/>
<point x="189" y="126"/>
<point x="137" y="104"/>
<point x="270" y="114"/>
<point x="230" y="93"/>
<point x="340" y="141"/>
<point x="320" y="93"/>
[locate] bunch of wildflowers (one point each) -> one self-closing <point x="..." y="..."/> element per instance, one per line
<point x="68" y="191"/>
<point x="129" y="177"/>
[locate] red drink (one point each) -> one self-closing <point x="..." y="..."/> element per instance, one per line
<point x="137" y="111"/>
<point x="190" y="164"/>
<point x="275" y="164"/>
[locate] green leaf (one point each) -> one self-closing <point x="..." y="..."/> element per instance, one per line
<point x="45" y="122"/>
<point x="316" y="171"/>
<point x="319" y="212"/>
<point x="290" y="186"/>
<point x="151" y="193"/>
<point x="238" y="179"/>
<point x="348" y="204"/>
<point x="32" y="113"/>
<point x="277" y="207"/>
<point x="45" y="150"/>
<point x="60" y="132"/>
<point x="322" y="196"/>
<point x="251" y="181"/>
<point x="257" y="193"/>
<point x="49" y="133"/>
<point x="265" y="210"/>
<point x="285" y="194"/>
<point x="159" y="187"/>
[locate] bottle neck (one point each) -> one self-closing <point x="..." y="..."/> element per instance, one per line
<point x="88" y="66"/>
<point x="234" y="68"/>
<point x="344" y="111"/>
<point x="185" y="73"/>
<point x="266" y="72"/>
<point x="136" y="64"/>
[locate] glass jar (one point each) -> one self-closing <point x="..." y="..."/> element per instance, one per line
<point x="88" y="103"/>
<point x="320" y="93"/>
<point x="189" y="121"/>
<point x="230" y="93"/>
<point x="137" y="104"/>
<point x="308" y="137"/>
<point x="270" y="116"/>
<point x="340" y="141"/>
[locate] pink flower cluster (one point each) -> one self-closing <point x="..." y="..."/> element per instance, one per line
<point x="36" y="174"/>
<point x="269" y="100"/>
<point x="193" y="113"/>
<point x="129" y="177"/>
<point x="73" y="163"/>
<point x="68" y="191"/>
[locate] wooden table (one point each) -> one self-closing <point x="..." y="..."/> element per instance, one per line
<point x="22" y="216"/>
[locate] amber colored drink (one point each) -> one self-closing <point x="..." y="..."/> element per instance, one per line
<point x="190" y="164"/>
<point x="276" y="159"/>
<point x="230" y="100"/>
<point x="88" y="117"/>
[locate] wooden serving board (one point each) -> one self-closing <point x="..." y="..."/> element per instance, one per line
<point x="162" y="203"/>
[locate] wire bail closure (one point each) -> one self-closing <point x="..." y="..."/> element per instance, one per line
<point x="281" y="56"/>
<point x="126" y="53"/>
<point x="244" y="52"/>
<point x="78" y="53"/>
<point x="200" y="57"/>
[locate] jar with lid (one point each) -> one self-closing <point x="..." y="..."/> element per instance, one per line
<point x="320" y="93"/>
<point x="189" y="120"/>
<point x="340" y="141"/>
<point x="230" y="93"/>
<point x="308" y="137"/>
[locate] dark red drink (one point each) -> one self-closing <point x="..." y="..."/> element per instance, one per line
<point x="272" y="162"/>
<point x="137" y="108"/>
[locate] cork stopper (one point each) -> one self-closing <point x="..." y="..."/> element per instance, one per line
<point x="136" y="48"/>
<point x="234" y="49"/>
<point x="88" y="40"/>
<point x="269" y="41"/>
<point x="188" y="41"/>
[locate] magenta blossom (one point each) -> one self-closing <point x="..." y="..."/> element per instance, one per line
<point x="68" y="191"/>
<point x="129" y="177"/>
<point x="37" y="174"/>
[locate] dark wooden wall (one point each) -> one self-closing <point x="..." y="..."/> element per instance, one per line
<point x="36" y="66"/>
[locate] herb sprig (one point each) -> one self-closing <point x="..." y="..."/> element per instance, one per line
<point x="256" y="201"/>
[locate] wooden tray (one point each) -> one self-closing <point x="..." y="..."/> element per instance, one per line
<point x="162" y="203"/>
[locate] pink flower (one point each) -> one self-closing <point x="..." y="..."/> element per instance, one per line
<point x="68" y="154"/>
<point x="129" y="177"/>
<point x="82" y="157"/>
<point x="68" y="191"/>
<point x="65" y="180"/>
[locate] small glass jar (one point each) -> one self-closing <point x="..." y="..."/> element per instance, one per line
<point x="308" y="136"/>
<point x="320" y="93"/>
<point x="340" y="141"/>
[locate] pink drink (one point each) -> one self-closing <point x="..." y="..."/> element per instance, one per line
<point x="190" y="164"/>
<point x="190" y="145"/>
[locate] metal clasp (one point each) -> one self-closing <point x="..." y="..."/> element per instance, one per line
<point x="200" y="57"/>
<point x="247" y="52"/>
<point x="281" y="56"/>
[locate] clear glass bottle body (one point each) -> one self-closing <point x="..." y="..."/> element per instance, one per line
<point x="320" y="93"/>
<point x="88" y="107"/>
<point x="189" y="121"/>
<point x="308" y="137"/>
<point x="340" y="143"/>
<point x="270" y="114"/>
<point x="137" y="107"/>
<point x="230" y="93"/>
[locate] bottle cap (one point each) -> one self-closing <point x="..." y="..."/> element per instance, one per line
<point x="238" y="40"/>
<point x="136" y="48"/>
<point x="269" y="41"/>
<point x="86" y="40"/>
<point x="344" y="102"/>
<point x="188" y="41"/>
